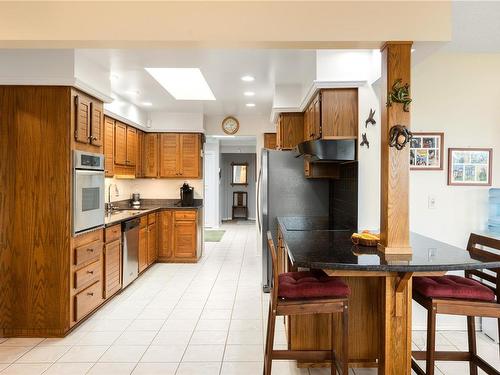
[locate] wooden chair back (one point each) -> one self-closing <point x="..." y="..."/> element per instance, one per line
<point x="274" y="257"/>
<point x="486" y="248"/>
<point x="240" y="198"/>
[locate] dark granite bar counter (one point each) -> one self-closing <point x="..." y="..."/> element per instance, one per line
<point x="311" y="244"/>
<point x="126" y="212"/>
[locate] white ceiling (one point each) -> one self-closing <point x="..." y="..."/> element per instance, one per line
<point x="221" y="68"/>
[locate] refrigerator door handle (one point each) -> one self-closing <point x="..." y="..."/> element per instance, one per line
<point x="258" y="199"/>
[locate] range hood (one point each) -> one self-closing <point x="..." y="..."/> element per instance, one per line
<point x="338" y="150"/>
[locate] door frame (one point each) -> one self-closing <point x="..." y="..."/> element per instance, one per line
<point x="211" y="186"/>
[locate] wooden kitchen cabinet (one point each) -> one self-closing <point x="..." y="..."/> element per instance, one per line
<point x="289" y="130"/>
<point x="270" y="141"/>
<point x="109" y="146"/>
<point x="125" y="145"/>
<point x="112" y="268"/>
<point x="312" y="119"/>
<point x="150" y="155"/>
<point x="131" y="146"/>
<point x="166" y="239"/>
<point x="139" y="168"/>
<point x="180" y="155"/>
<point x="143" y="244"/>
<point x="185" y="234"/>
<point x="339" y="113"/>
<point x="88" y="122"/>
<point x="152" y="243"/>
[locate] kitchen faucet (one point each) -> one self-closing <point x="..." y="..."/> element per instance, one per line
<point x="117" y="193"/>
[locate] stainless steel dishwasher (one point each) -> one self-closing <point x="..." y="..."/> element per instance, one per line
<point x="130" y="233"/>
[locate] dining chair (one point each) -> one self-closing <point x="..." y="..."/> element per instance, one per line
<point x="475" y="295"/>
<point x="307" y="292"/>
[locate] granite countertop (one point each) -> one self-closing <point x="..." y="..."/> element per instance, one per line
<point x="312" y="244"/>
<point x="126" y="212"/>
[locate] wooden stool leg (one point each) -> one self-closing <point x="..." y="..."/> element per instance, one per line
<point x="271" y="324"/>
<point x="345" y="340"/>
<point x="266" y="350"/>
<point x="471" y="334"/>
<point x="431" y="340"/>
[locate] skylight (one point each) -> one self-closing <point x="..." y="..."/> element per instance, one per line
<point x="183" y="83"/>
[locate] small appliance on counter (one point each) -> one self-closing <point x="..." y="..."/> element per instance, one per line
<point x="136" y="200"/>
<point x="187" y="195"/>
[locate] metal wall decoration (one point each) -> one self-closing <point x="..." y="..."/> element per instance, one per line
<point x="365" y="141"/>
<point x="370" y="119"/>
<point x="399" y="136"/>
<point x="400" y="94"/>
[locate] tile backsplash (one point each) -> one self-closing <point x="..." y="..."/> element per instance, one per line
<point x="151" y="188"/>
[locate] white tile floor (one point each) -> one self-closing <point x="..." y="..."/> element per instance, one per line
<point x="187" y="319"/>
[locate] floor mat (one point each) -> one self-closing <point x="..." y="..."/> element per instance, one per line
<point x="214" y="235"/>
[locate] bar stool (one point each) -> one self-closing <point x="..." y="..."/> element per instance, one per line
<point x="311" y="292"/>
<point x="456" y="295"/>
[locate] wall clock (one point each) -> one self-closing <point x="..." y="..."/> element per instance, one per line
<point x="230" y="125"/>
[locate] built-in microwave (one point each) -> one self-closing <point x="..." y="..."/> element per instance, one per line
<point x="88" y="191"/>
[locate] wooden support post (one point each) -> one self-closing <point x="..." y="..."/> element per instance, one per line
<point x="394" y="211"/>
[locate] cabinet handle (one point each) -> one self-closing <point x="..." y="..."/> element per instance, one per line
<point x="90" y="272"/>
<point x="90" y="294"/>
<point x="90" y="250"/>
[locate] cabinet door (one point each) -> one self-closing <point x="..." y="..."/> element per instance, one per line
<point x="316" y="117"/>
<point x="150" y="155"/>
<point x="185" y="239"/>
<point x="165" y="235"/>
<point x="140" y="147"/>
<point x="152" y="243"/>
<point x="308" y="129"/>
<point x="112" y="268"/>
<point x="270" y="141"/>
<point x="96" y="123"/>
<point x="82" y="118"/>
<point x="189" y="155"/>
<point x="143" y="248"/>
<point x="109" y="144"/>
<point x="131" y="146"/>
<point x="339" y="113"/>
<point x="291" y="130"/>
<point x="169" y="155"/>
<point x="279" y="140"/>
<point x="120" y="143"/>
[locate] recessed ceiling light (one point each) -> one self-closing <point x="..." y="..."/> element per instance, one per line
<point x="147" y="104"/>
<point x="133" y="92"/>
<point x="114" y="77"/>
<point x="247" y="78"/>
<point x="183" y="83"/>
<point x="250" y="104"/>
<point x="249" y="93"/>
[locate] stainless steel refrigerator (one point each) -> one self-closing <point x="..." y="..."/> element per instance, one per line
<point x="283" y="190"/>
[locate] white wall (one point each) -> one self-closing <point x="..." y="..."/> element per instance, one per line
<point x="127" y="112"/>
<point x="151" y="188"/>
<point x="177" y="122"/>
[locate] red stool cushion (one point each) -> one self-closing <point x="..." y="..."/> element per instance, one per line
<point x="450" y="286"/>
<point x="311" y="284"/>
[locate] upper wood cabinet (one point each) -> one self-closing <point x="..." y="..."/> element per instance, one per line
<point x="289" y="130"/>
<point x="109" y="146"/>
<point x="312" y="119"/>
<point x="120" y="143"/>
<point x="125" y="144"/>
<point x="88" y="122"/>
<point x="339" y="113"/>
<point x="180" y="155"/>
<point x="150" y="155"/>
<point x="270" y="141"/>
<point x="139" y="165"/>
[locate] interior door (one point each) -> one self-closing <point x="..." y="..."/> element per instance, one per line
<point x="211" y="190"/>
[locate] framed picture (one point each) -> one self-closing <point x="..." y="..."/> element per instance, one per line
<point x="470" y="166"/>
<point x="427" y="151"/>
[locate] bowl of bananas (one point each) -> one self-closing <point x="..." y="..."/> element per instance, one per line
<point x="365" y="238"/>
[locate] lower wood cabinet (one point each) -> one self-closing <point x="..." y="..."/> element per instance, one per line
<point x="87" y="300"/>
<point x="112" y="268"/>
<point x="166" y="239"/>
<point x="185" y="239"/>
<point x="143" y="248"/>
<point x="178" y="236"/>
<point x="152" y="243"/>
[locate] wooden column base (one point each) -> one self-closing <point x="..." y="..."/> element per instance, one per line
<point x="395" y="250"/>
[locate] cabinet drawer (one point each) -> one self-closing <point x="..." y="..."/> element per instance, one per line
<point x="113" y="233"/>
<point x="85" y="253"/>
<point x="185" y="215"/>
<point x="88" y="275"/>
<point x="152" y="218"/>
<point x="144" y="221"/>
<point x="87" y="300"/>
